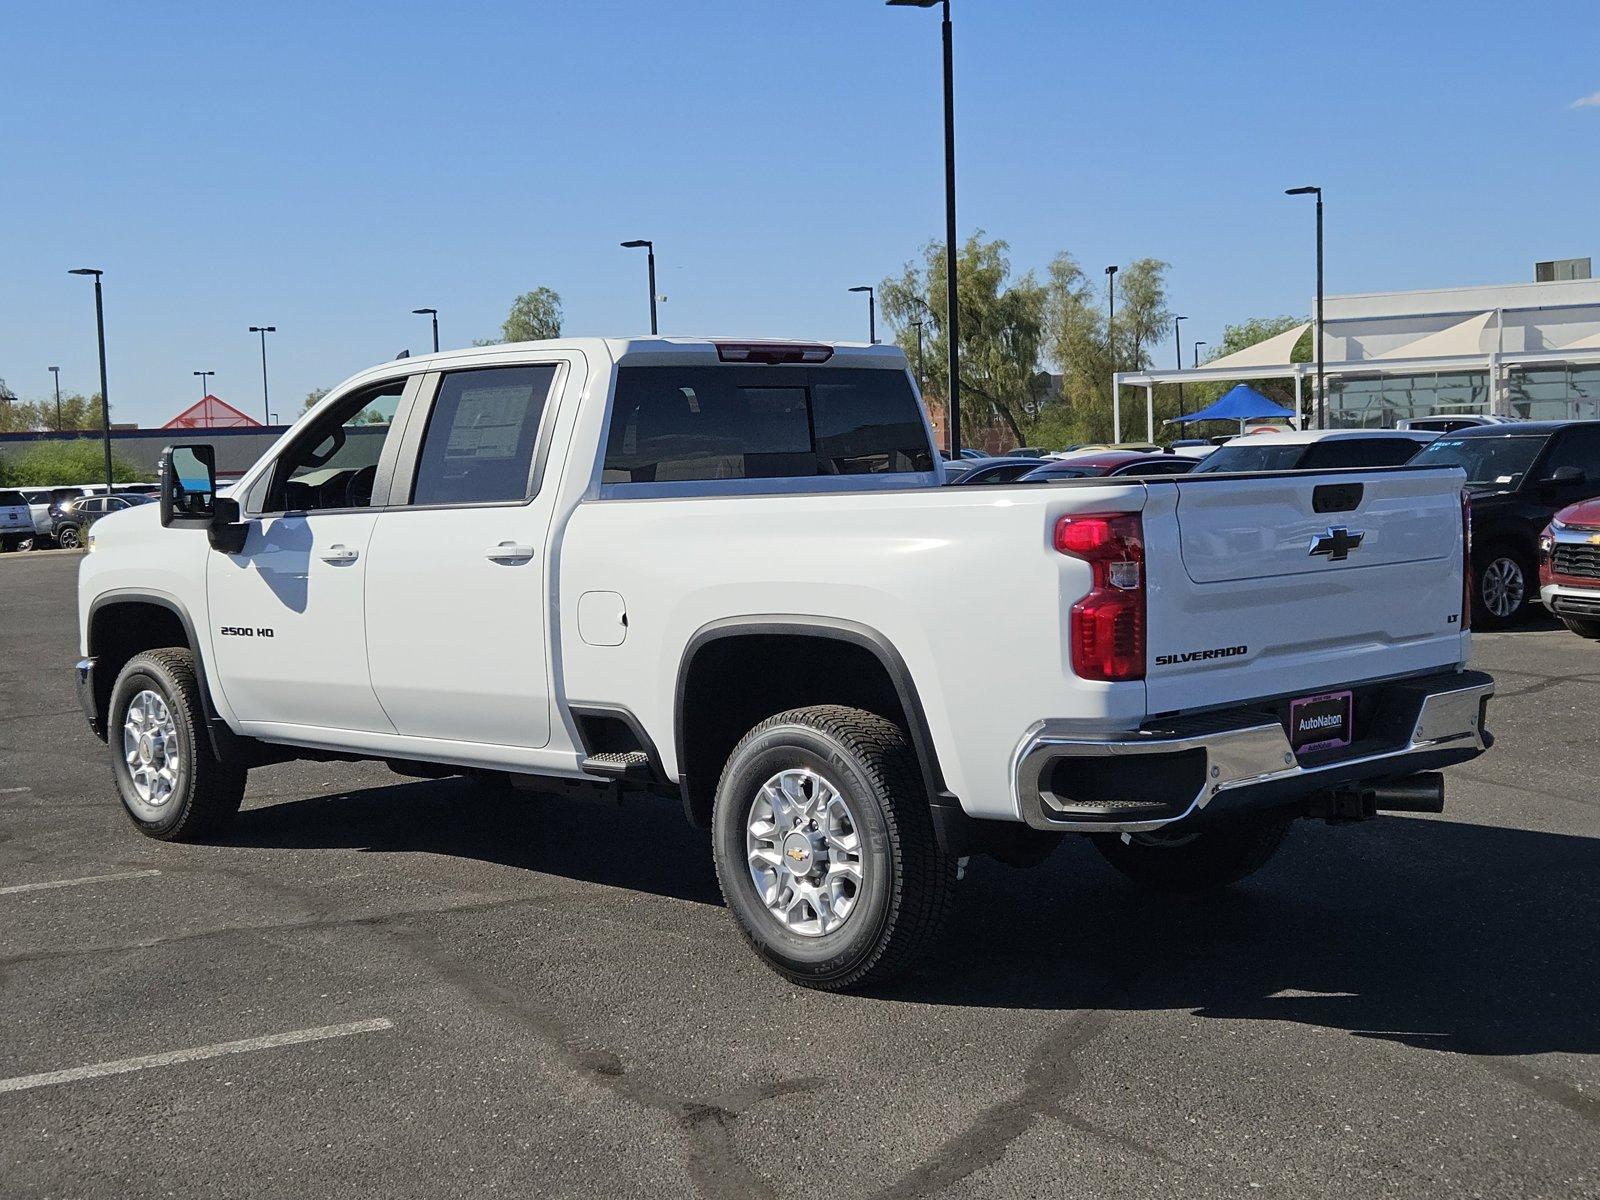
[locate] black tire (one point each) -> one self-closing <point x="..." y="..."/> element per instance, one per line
<point x="1201" y="861"/>
<point x="1583" y="627"/>
<point x="1490" y="565"/>
<point x="206" y="793"/>
<point x="69" y="537"/>
<point x="907" y="881"/>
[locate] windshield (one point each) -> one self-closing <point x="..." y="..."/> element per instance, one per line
<point x="1252" y="458"/>
<point x="1490" y="462"/>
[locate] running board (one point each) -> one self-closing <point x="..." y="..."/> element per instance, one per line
<point x="632" y="765"/>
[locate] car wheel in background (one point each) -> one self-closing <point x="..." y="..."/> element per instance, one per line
<point x="171" y="784"/>
<point x="825" y="848"/>
<point x="1201" y="860"/>
<point x="1503" y="584"/>
<point x="69" y="537"/>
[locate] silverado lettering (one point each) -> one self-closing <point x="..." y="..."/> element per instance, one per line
<point x="1172" y="660"/>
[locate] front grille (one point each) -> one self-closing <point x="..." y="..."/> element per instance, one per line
<point x="1582" y="562"/>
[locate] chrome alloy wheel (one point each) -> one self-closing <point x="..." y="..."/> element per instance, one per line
<point x="803" y="844"/>
<point x="1503" y="587"/>
<point x="151" y="748"/>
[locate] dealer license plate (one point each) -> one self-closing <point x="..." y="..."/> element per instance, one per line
<point x="1321" y="722"/>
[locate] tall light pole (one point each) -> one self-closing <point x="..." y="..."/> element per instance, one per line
<point x="434" y="313"/>
<point x="56" y="371"/>
<point x="1178" y="347"/>
<point x="266" y="405"/>
<point x="649" y="248"/>
<point x="1322" y="399"/>
<point x="922" y="377"/>
<point x="100" y="329"/>
<point x="872" y="313"/>
<point x="205" y="390"/>
<point x="1194" y="355"/>
<point x="1111" y="315"/>
<point x="952" y="305"/>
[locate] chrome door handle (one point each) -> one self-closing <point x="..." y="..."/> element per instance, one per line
<point x="339" y="554"/>
<point x="508" y="552"/>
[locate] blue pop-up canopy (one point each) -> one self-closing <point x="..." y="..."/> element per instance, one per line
<point x="1240" y="403"/>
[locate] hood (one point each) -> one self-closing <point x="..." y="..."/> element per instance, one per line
<point x="1583" y="515"/>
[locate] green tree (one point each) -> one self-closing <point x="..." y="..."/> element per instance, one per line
<point x="1076" y="340"/>
<point x="1001" y="328"/>
<point x="81" y="460"/>
<point x="535" y="316"/>
<point x="78" y="413"/>
<point x="313" y="398"/>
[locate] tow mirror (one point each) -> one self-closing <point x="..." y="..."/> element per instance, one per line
<point x="188" y="486"/>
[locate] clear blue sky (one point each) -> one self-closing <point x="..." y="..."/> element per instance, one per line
<point x="328" y="167"/>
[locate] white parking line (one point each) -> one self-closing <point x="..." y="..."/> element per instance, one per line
<point x="58" y="883"/>
<point x="122" y="1066"/>
<point x="13" y="791"/>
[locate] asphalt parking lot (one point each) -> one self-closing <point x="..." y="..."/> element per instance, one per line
<point x="383" y="987"/>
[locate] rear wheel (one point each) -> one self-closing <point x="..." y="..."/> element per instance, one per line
<point x="1195" y="861"/>
<point x="825" y="848"/>
<point x="172" y="786"/>
<point x="68" y="537"/>
<point x="1503" y="586"/>
<point x="1583" y="627"/>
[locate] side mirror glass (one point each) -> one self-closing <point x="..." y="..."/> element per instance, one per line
<point x="188" y="485"/>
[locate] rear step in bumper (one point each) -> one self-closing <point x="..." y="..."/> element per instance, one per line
<point x="1148" y="778"/>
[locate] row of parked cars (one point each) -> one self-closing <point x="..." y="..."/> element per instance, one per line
<point x="1534" y="488"/>
<point x="38" y="518"/>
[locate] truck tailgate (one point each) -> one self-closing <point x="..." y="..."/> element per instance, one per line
<point x="1277" y="584"/>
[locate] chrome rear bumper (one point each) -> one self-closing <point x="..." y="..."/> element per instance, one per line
<point x="1145" y="779"/>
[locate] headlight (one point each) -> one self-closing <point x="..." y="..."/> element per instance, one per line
<point x="88" y="542"/>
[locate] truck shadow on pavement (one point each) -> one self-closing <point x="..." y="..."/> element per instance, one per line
<point x="1432" y="933"/>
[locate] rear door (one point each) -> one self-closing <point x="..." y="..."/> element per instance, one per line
<point x="457" y="578"/>
<point x="1291" y="582"/>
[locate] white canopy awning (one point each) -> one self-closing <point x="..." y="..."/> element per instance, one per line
<point x="1270" y="353"/>
<point x="1464" y="337"/>
<point x="1592" y="342"/>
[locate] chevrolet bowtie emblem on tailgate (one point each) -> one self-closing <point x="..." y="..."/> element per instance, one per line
<point x="1336" y="543"/>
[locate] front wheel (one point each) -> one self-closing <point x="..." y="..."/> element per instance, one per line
<point x="68" y="537"/>
<point x="172" y="786"/>
<point x="1503" y="586"/>
<point x="825" y="848"/>
<point x="1201" y="860"/>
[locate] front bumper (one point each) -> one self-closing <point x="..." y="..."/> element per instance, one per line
<point x="1144" y="779"/>
<point x="1569" y="600"/>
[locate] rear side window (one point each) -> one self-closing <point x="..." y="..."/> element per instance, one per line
<point x="481" y="436"/>
<point x="683" y="423"/>
<point x="1360" y="452"/>
<point x="12" y="499"/>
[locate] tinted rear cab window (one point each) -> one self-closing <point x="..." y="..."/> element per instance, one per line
<point x="674" y="424"/>
<point x="1360" y="452"/>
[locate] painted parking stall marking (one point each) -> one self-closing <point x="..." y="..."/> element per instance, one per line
<point x="124" y="1066"/>
<point x="61" y="883"/>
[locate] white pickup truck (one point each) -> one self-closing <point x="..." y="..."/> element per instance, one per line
<point x="727" y="572"/>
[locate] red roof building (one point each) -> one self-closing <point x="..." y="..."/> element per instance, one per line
<point x="212" y="413"/>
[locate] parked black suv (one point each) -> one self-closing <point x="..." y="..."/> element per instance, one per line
<point x="1519" y="475"/>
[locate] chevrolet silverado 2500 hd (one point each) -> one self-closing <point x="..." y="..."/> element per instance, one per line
<point x="726" y="572"/>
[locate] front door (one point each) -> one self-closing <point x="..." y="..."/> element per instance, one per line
<point x="457" y="577"/>
<point x="287" y="615"/>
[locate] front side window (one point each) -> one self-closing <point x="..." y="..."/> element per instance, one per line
<point x="686" y="423"/>
<point x="336" y="463"/>
<point x="1577" y="448"/>
<point x="481" y="436"/>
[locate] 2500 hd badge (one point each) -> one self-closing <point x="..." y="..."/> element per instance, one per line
<point x="1172" y="660"/>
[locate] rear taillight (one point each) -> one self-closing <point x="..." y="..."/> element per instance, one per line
<point x="1466" y="560"/>
<point x="1106" y="627"/>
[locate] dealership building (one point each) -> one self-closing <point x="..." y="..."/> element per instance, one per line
<point x="1528" y="350"/>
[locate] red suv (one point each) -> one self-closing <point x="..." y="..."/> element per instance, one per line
<point x="1569" y="567"/>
